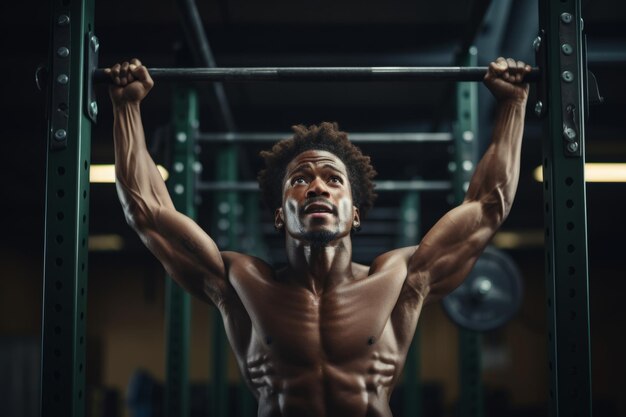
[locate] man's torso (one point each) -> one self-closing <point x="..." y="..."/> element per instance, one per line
<point x="337" y="353"/>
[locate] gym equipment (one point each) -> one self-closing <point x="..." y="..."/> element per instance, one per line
<point x="413" y="185"/>
<point x="490" y="296"/>
<point x="567" y="277"/>
<point x="561" y="102"/>
<point x="389" y="138"/>
<point x="343" y="74"/>
<point x="471" y="394"/>
<point x="177" y="300"/>
<point x="409" y="235"/>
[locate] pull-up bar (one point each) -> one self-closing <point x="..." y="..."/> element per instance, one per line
<point x="387" y="185"/>
<point x="319" y="74"/>
<point x="379" y="137"/>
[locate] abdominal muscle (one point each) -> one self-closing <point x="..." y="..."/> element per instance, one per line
<point x="324" y="390"/>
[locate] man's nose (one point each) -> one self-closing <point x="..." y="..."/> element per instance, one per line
<point x="317" y="187"/>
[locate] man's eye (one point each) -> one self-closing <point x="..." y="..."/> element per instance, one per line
<point x="336" y="180"/>
<point x="298" y="180"/>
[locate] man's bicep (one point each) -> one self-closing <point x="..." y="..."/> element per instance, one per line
<point x="186" y="252"/>
<point x="449" y="250"/>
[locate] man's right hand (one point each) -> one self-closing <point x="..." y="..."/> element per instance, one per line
<point x="505" y="80"/>
<point x="131" y="82"/>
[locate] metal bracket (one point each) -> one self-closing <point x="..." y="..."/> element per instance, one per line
<point x="542" y="86"/>
<point x="59" y="86"/>
<point x="569" y="70"/>
<point x="92" y="45"/>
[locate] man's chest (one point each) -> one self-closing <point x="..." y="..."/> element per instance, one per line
<point x="347" y="322"/>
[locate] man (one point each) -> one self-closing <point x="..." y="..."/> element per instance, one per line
<point x="322" y="336"/>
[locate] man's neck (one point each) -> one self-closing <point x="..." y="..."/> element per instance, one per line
<point x="320" y="267"/>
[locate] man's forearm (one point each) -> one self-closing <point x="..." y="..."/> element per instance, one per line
<point x="496" y="176"/>
<point x="139" y="184"/>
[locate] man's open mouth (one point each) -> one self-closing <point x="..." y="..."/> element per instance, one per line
<point x="318" y="208"/>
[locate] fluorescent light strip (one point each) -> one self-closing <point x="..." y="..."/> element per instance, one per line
<point x="106" y="243"/>
<point x="517" y="239"/>
<point x="105" y="173"/>
<point x="595" y="172"/>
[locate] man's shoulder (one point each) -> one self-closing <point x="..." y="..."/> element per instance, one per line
<point x="393" y="258"/>
<point x="240" y="263"/>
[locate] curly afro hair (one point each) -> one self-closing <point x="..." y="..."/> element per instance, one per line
<point x="326" y="137"/>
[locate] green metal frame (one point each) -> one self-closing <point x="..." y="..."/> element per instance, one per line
<point x="67" y="207"/>
<point x="471" y="397"/>
<point x="66" y="219"/>
<point x="256" y="247"/>
<point x="471" y="400"/>
<point x="409" y="235"/>
<point x="225" y="217"/>
<point x="567" y="276"/>
<point x="465" y="133"/>
<point x="181" y="186"/>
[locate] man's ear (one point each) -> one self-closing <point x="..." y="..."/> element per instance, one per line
<point x="279" y="221"/>
<point x="356" y="219"/>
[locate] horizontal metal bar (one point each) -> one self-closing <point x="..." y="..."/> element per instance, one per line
<point x="354" y="137"/>
<point x="413" y="185"/>
<point x="318" y="74"/>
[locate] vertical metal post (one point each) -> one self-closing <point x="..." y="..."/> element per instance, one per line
<point x="471" y="401"/>
<point x="203" y="57"/>
<point x="178" y="303"/>
<point x="227" y="207"/>
<point x="465" y="132"/>
<point x="567" y="276"/>
<point x="409" y="236"/>
<point x="465" y="158"/>
<point x="66" y="218"/>
<point x="253" y="245"/>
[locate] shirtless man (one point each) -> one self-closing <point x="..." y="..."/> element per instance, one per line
<point x="322" y="336"/>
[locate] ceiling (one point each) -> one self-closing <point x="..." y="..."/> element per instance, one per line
<point x="323" y="33"/>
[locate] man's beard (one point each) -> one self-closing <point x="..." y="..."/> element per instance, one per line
<point x="320" y="238"/>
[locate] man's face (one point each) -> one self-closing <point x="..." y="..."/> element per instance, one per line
<point x="317" y="199"/>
